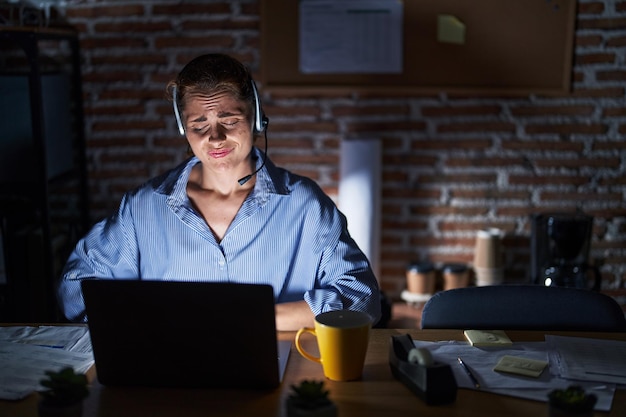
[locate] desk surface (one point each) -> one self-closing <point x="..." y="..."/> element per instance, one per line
<point x="378" y="393"/>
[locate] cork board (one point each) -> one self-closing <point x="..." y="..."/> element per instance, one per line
<point x="509" y="47"/>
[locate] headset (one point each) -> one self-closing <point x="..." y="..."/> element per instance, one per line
<point x="259" y="125"/>
<point x="260" y="120"/>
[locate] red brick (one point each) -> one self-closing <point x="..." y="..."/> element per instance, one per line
<point x="457" y="178"/>
<point x="132" y="27"/>
<point x="342" y="111"/>
<point x="613" y="181"/>
<point x="96" y="11"/>
<point x="434" y="144"/>
<point x="576" y="163"/>
<point x="356" y="127"/>
<point x="482" y="161"/>
<point x="220" y="24"/>
<point x="596" y="7"/>
<point x="291" y="143"/>
<point x="585" y="40"/>
<point x="567" y="128"/>
<point x="432" y="210"/>
<point x="119" y="93"/>
<point x="403" y="193"/>
<point x="546" y="179"/>
<point x="488" y="194"/>
<point x="291" y="111"/>
<point x="448" y="111"/>
<point x="608" y="92"/>
<point x="614" y="75"/>
<point x="609" y="145"/>
<point x="595" y="58"/>
<point x="467" y="127"/>
<point x="119" y="109"/>
<point x="120" y="43"/>
<point x="192" y="9"/>
<point x="124" y="126"/>
<point x="308" y="159"/>
<point x="544" y="145"/>
<point x="205" y="42"/>
<point x="452" y="226"/>
<point x="557" y="110"/>
<point x="548" y="196"/>
<point x="303" y="127"/>
<point x="614" y="112"/>
<point x="112" y="76"/>
<point x="617" y="41"/>
<point x="409" y="159"/>
<point x="606" y="24"/>
<point x="127" y="60"/>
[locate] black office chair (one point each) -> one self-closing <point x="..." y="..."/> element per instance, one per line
<point x="523" y="307"/>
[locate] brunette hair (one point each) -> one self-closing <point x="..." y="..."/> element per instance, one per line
<point x="212" y="73"/>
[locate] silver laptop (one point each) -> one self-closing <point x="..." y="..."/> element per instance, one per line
<point x="184" y="334"/>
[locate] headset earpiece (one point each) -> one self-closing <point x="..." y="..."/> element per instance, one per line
<point x="260" y="121"/>
<point x="179" y="122"/>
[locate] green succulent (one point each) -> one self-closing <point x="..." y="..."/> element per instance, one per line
<point x="64" y="387"/>
<point x="309" y="395"/>
<point x="573" y="399"/>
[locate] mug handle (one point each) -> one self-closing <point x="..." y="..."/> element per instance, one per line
<point x="303" y="352"/>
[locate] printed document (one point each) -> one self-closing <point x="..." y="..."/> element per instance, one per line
<point x="351" y="36"/>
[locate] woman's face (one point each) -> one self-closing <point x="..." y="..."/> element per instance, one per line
<point x="219" y="130"/>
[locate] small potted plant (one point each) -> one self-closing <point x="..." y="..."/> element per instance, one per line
<point x="310" y="399"/>
<point x="572" y="401"/>
<point x="64" y="393"/>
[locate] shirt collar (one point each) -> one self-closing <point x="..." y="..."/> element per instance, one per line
<point x="269" y="180"/>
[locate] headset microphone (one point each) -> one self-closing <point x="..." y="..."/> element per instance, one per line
<point x="260" y="125"/>
<point x="247" y="178"/>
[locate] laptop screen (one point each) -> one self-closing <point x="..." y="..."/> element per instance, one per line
<point x="183" y="334"/>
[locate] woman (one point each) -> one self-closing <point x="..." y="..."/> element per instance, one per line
<point x="228" y="214"/>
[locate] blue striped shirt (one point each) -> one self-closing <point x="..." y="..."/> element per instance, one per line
<point x="288" y="233"/>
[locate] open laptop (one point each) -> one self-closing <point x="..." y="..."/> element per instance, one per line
<point x="184" y="334"/>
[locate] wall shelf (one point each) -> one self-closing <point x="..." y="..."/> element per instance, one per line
<point x="43" y="179"/>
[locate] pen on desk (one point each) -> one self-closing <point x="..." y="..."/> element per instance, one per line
<point x="469" y="373"/>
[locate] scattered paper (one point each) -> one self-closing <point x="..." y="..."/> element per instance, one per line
<point x="26" y="352"/>
<point x="483" y="360"/>
<point x="71" y="338"/>
<point x="587" y="359"/>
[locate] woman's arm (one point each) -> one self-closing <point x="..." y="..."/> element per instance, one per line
<point x="294" y="315"/>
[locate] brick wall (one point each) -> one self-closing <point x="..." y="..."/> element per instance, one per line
<point x="451" y="164"/>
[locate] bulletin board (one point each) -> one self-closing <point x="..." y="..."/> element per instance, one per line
<point x="510" y="47"/>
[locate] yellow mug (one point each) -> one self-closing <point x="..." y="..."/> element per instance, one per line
<point x="342" y="339"/>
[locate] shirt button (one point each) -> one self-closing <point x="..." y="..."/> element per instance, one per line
<point x="221" y="263"/>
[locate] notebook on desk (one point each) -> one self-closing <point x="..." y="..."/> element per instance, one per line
<point x="184" y="334"/>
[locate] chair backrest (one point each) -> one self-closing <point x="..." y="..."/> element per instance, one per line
<point x="523" y="307"/>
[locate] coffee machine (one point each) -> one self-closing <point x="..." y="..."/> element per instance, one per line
<point x="560" y="244"/>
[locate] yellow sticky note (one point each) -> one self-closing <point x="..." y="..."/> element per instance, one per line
<point x="520" y="366"/>
<point x="450" y="29"/>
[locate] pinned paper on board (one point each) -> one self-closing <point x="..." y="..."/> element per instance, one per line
<point x="450" y="29"/>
